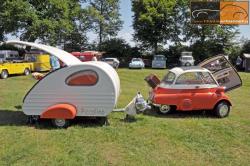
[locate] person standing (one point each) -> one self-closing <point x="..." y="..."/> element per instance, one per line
<point x="239" y="63"/>
<point x="54" y="63"/>
<point x="94" y="58"/>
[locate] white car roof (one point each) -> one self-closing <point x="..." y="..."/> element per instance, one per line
<point x="181" y="70"/>
<point x="110" y="58"/>
<point x="186" y="56"/>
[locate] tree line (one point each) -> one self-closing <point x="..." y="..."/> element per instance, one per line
<point x="156" y="23"/>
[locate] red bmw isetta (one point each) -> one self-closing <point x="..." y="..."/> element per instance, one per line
<point x="200" y="87"/>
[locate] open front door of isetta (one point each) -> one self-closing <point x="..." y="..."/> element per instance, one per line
<point x="223" y="71"/>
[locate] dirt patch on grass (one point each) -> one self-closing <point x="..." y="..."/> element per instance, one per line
<point x="112" y="153"/>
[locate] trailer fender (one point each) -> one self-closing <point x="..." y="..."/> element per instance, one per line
<point x="60" y="111"/>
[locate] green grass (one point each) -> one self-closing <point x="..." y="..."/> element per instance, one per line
<point x="177" y="139"/>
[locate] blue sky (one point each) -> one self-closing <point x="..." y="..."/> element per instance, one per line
<point x="127" y="30"/>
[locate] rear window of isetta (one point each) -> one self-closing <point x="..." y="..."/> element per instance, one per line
<point x="169" y="78"/>
<point x="189" y="78"/>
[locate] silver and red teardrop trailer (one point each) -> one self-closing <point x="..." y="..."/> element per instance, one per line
<point x="80" y="89"/>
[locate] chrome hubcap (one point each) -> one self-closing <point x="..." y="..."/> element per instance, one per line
<point x="224" y="110"/>
<point x="165" y="108"/>
<point x="26" y="72"/>
<point x="4" y="75"/>
<point x="60" y="122"/>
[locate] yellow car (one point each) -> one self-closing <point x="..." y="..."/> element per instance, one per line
<point x="31" y="62"/>
<point x="7" y="69"/>
<point x="41" y="62"/>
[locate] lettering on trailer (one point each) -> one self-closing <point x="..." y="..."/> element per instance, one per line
<point x="91" y="111"/>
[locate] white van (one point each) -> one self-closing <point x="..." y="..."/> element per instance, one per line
<point x="186" y="59"/>
<point x="159" y="62"/>
<point x="8" y="55"/>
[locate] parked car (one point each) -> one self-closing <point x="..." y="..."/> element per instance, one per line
<point x="86" y="55"/>
<point x="159" y="61"/>
<point x="40" y="61"/>
<point x="186" y="59"/>
<point x="195" y="88"/>
<point x="9" y="55"/>
<point x="114" y="62"/>
<point x="7" y="69"/>
<point x="136" y="63"/>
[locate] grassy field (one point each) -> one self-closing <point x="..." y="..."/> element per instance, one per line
<point x="176" y="139"/>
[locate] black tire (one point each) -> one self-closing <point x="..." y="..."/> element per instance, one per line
<point x="4" y="74"/>
<point x="103" y="121"/>
<point x="164" y="109"/>
<point x="60" y="123"/>
<point x="222" y="109"/>
<point x="187" y="64"/>
<point x="26" y="71"/>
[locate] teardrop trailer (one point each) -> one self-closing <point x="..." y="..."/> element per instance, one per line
<point x="81" y="89"/>
<point x="201" y="87"/>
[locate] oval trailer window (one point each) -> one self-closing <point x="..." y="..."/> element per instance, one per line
<point x="82" y="78"/>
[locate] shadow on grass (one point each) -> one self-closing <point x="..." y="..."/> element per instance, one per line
<point x="18" y="118"/>
<point x="131" y="120"/>
<point x="182" y="114"/>
<point x="12" y="118"/>
<point x="45" y="124"/>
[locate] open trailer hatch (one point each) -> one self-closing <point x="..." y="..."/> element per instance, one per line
<point x="223" y="71"/>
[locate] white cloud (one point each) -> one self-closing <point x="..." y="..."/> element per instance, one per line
<point x="127" y="35"/>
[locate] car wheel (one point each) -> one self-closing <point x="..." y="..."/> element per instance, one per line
<point x="26" y="71"/>
<point x="222" y="109"/>
<point x="4" y="74"/>
<point x="164" y="109"/>
<point x="60" y="123"/>
<point x="187" y="64"/>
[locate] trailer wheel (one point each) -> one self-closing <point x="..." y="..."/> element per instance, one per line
<point x="60" y="123"/>
<point x="26" y="71"/>
<point x="4" y="74"/>
<point x="103" y="121"/>
<point x="222" y="109"/>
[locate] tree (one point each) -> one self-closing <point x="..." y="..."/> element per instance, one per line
<point x="47" y="20"/>
<point x="1" y="24"/>
<point x="246" y="47"/>
<point x="152" y="21"/>
<point x="105" y="18"/>
<point x="205" y="40"/>
<point x="117" y="47"/>
<point x="76" y="40"/>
